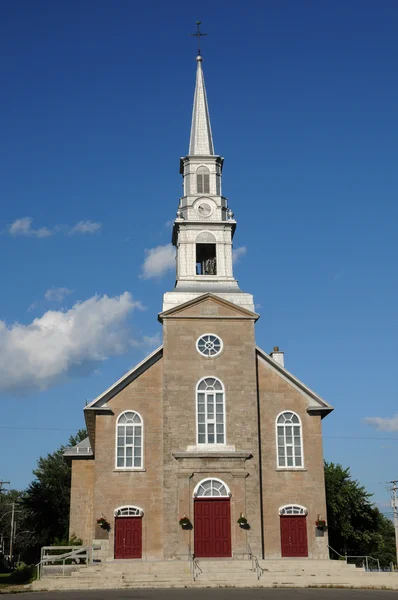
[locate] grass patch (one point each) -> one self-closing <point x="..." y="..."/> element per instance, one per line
<point x="23" y="574"/>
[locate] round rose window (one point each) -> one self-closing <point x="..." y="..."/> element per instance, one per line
<point x="209" y="345"/>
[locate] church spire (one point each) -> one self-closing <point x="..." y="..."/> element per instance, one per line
<point x="204" y="228"/>
<point x="201" y="142"/>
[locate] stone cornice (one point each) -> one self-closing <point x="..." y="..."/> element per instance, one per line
<point x="208" y="454"/>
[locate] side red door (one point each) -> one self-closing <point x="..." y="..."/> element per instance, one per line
<point x="213" y="528"/>
<point x="294" y="536"/>
<point x="128" y="537"/>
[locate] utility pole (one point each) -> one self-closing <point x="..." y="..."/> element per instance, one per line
<point x="394" y="504"/>
<point x="2" y="484"/>
<point x="12" y="530"/>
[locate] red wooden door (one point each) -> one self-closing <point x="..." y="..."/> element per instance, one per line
<point x="213" y="528"/>
<point x="294" y="536"/>
<point x="128" y="537"/>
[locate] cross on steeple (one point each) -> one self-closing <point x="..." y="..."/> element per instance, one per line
<point x="198" y="34"/>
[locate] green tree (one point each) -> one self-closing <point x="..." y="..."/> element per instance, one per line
<point x="47" y="499"/>
<point x="355" y="525"/>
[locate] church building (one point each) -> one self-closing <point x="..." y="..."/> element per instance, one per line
<point x="208" y="447"/>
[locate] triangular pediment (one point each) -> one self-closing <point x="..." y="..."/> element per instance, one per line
<point x="208" y="306"/>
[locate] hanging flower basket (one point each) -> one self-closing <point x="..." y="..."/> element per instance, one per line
<point x="242" y="522"/>
<point x="185" y="523"/>
<point x="103" y="523"/>
<point x="320" y="524"/>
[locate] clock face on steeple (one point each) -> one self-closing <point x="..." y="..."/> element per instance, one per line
<point x="204" y="209"/>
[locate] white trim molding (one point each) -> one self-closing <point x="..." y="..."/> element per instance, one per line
<point x="128" y="511"/>
<point x="212" y="421"/>
<point x="140" y="425"/>
<point x="289" y="445"/>
<point x="211" y="495"/>
<point x="220" y="343"/>
<point x="292" y="510"/>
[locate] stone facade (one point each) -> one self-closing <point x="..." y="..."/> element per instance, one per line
<point x="257" y="390"/>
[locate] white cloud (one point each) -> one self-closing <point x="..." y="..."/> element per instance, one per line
<point x="237" y="254"/>
<point x="158" y="261"/>
<point x="383" y="424"/>
<point x="85" y="227"/>
<point x="148" y="342"/>
<point x="57" y="294"/>
<point x="24" y="227"/>
<point x="63" y="344"/>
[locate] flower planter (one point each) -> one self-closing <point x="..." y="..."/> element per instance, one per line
<point x="185" y="523"/>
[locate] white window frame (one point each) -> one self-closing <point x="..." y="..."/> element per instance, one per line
<point x="197" y="391"/>
<point x="301" y="510"/>
<point x="214" y="355"/>
<point x="128" y="511"/>
<point x="286" y="467"/>
<point x="133" y="468"/>
<point x="195" y="492"/>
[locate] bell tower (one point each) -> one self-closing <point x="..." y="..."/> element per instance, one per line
<point x="204" y="226"/>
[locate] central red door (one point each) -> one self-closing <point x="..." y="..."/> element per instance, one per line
<point x="294" y="536"/>
<point x="213" y="528"/>
<point x="128" y="537"/>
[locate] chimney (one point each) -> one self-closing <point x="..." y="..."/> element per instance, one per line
<point x="278" y="356"/>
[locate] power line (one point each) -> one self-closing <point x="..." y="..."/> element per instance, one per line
<point x="325" y="437"/>
<point x="39" y="428"/>
<point x="354" y="437"/>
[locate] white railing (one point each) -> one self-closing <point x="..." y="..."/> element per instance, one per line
<point x="365" y="564"/>
<point x="61" y="561"/>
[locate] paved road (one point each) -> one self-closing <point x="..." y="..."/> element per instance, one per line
<point x="212" y="594"/>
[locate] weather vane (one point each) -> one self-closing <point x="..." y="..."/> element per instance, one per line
<point x="198" y="34"/>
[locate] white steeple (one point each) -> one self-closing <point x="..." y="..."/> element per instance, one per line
<point x="205" y="226"/>
<point x="201" y="141"/>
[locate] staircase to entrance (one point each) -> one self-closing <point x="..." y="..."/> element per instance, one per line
<point x="243" y="573"/>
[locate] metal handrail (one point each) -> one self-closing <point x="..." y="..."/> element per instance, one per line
<point x="366" y="557"/>
<point x="193" y="564"/>
<point x="255" y="564"/>
<point x="338" y="554"/>
<point x="76" y="552"/>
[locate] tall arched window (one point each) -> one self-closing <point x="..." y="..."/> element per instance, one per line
<point x="210" y="409"/>
<point x="129" y="441"/>
<point x="203" y="180"/>
<point x="289" y="440"/>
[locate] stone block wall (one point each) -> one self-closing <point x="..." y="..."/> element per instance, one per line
<point x="143" y="488"/>
<point x="304" y="486"/>
<point x="81" y="501"/>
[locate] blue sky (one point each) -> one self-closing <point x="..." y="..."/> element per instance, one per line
<point x="95" y="113"/>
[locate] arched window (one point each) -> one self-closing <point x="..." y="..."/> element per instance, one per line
<point x="211" y="487"/>
<point x="210" y="410"/>
<point x="289" y="440"/>
<point x="292" y="510"/>
<point x="203" y="180"/>
<point x="129" y="511"/>
<point x="129" y="441"/>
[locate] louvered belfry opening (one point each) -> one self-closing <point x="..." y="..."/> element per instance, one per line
<point x="203" y="182"/>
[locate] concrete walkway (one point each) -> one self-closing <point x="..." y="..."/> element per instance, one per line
<point x="212" y="594"/>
